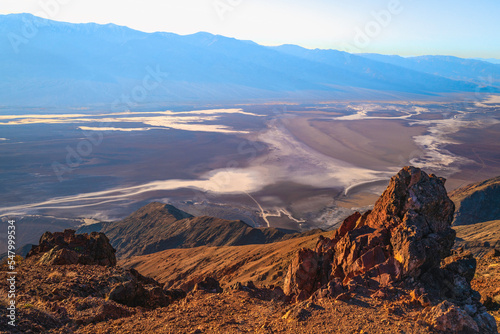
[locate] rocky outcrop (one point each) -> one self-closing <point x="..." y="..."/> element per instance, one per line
<point x="407" y="232"/>
<point x="62" y="248"/>
<point x="209" y="284"/>
<point x="126" y="287"/>
<point x="406" y="239"/>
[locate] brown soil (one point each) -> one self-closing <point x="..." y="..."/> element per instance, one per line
<point x="239" y="312"/>
<point x="487" y="282"/>
<point x="70" y="299"/>
<point x="264" y="264"/>
<point x="479" y="238"/>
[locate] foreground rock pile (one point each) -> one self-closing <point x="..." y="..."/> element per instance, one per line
<point x="405" y="242"/>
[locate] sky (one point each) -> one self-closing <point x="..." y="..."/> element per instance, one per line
<point x="405" y="27"/>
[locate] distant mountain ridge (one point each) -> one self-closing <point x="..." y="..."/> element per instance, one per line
<point x="157" y="227"/>
<point x="64" y="64"/>
<point x="477" y="203"/>
<point x="477" y="71"/>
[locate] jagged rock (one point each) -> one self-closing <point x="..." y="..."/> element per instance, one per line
<point x="407" y="233"/>
<point x="415" y="208"/>
<point x="59" y="256"/>
<point x="462" y="263"/>
<point x="209" y="284"/>
<point x="452" y="279"/>
<point x="406" y="239"/>
<point x="448" y="318"/>
<point x="62" y="248"/>
<point x="302" y="277"/>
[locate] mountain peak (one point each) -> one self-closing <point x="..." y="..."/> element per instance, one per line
<point x="160" y="210"/>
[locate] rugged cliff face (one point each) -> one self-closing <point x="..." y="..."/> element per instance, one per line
<point x="406" y="239"/>
<point x="478" y="202"/>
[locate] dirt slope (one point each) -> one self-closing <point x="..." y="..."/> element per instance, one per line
<point x="479" y="238"/>
<point x="263" y="264"/>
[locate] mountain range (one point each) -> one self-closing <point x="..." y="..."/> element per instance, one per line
<point x="48" y="63"/>
<point x="157" y="227"/>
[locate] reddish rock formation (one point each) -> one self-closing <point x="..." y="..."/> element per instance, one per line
<point x="407" y="232"/>
<point x="403" y="240"/>
<point x="66" y="247"/>
<point x="303" y="274"/>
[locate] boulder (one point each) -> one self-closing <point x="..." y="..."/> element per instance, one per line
<point x="209" y="284"/>
<point x="448" y="318"/>
<point x="137" y="290"/>
<point x="93" y="310"/>
<point x="130" y="293"/>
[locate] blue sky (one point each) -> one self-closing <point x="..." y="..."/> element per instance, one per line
<point x="404" y="27"/>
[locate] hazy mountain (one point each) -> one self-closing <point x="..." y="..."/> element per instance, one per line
<point x="49" y="63"/>
<point x="478" y="71"/>
<point x="490" y="60"/>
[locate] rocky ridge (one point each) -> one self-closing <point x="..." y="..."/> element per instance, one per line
<point x="66" y="247"/>
<point x="157" y="227"/>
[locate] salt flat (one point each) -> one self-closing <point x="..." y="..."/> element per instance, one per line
<point x="335" y="156"/>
